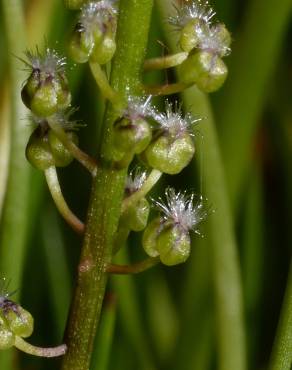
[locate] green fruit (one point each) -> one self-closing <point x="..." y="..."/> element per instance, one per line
<point x="170" y="155"/>
<point x="61" y="154"/>
<point x="30" y="88"/>
<point x="38" y="151"/>
<point x="20" y="323"/>
<point x="44" y="103"/>
<point x="173" y="245"/>
<point x="131" y="135"/>
<point x="136" y="216"/>
<point x="7" y="338"/>
<point x="104" y="51"/>
<point x="150" y="235"/>
<point x="190" y="35"/>
<point x="223" y="36"/>
<point x="81" y="46"/>
<point x="205" y="69"/>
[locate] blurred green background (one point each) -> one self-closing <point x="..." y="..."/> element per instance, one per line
<point x="164" y="318"/>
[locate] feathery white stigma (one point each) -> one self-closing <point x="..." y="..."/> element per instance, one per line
<point x="4" y="292"/>
<point x="139" y="107"/>
<point x="96" y="13"/>
<point x="182" y="209"/>
<point x="198" y="10"/>
<point x="135" y="180"/>
<point x="48" y="62"/>
<point x="211" y="40"/>
<point x="173" y="120"/>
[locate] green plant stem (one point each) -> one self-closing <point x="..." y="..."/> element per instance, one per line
<point x="167" y="61"/>
<point x="89" y="163"/>
<point x="227" y="282"/>
<point x="135" y="268"/>
<point x="281" y="358"/>
<point x="56" y="192"/>
<point x="23" y="346"/>
<point x="107" y="191"/>
<point x="243" y="97"/>
<point x="166" y="89"/>
<point x="151" y="180"/>
<point x="4" y="142"/>
<point x="103" y="83"/>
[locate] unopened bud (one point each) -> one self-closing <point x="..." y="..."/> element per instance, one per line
<point x="81" y="44"/>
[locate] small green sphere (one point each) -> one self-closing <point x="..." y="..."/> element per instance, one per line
<point x="61" y="154"/>
<point x="104" y="51"/>
<point x="20" y="323"/>
<point x="30" y="88"/>
<point x="132" y="135"/>
<point x="80" y="46"/>
<point x="190" y="35"/>
<point x="38" y="151"/>
<point x="150" y="235"/>
<point x="170" y="155"/>
<point x="173" y="245"/>
<point x="44" y="103"/>
<point x="7" y="338"/>
<point x="136" y="216"/>
<point x="205" y="69"/>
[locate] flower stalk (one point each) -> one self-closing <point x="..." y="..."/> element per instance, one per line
<point x="107" y="191"/>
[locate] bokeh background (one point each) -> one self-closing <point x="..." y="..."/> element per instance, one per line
<point x="164" y="318"/>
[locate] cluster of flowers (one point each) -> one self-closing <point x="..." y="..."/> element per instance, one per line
<point x="205" y="42"/>
<point x="163" y="141"/>
<point x="15" y="321"/>
<point x="168" y="235"/>
<point x="46" y="93"/>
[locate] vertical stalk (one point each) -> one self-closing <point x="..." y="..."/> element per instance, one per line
<point x="107" y="191"/>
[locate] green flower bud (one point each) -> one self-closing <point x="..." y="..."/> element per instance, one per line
<point x="81" y="44"/>
<point x="170" y="155"/>
<point x="61" y="154"/>
<point x="136" y="216"/>
<point x="104" y="51"/>
<point x="30" y="88"/>
<point x="74" y="4"/>
<point x="173" y="245"/>
<point x="150" y="235"/>
<point x="205" y="69"/>
<point x="46" y="91"/>
<point x="44" y="102"/>
<point x="190" y="35"/>
<point x="20" y="322"/>
<point x="38" y="151"/>
<point x="224" y="38"/>
<point x="131" y="135"/>
<point x="7" y="338"/>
